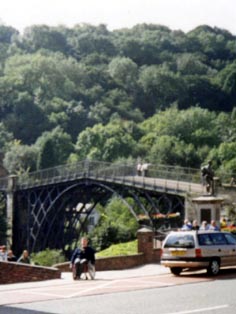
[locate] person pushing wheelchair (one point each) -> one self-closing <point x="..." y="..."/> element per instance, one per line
<point x="83" y="261"/>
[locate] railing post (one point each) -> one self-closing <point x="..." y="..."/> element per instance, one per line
<point x="10" y="207"/>
<point x="86" y="167"/>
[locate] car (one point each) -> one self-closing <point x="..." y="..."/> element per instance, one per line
<point x="193" y="250"/>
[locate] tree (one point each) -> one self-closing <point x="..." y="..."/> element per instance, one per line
<point x="203" y="92"/>
<point x="54" y="148"/>
<point x="44" y="37"/>
<point x="124" y="71"/>
<point x="86" y="39"/>
<point x="20" y="159"/>
<point x="192" y="64"/>
<point x="5" y="138"/>
<point x="70" y="115"/>
<point x="27" y="120"/>
<point x="161" y="88"/>
<point x="199" y="123"/>
<point x="226" y="79"/>
<point x="109" y="142"/>
<point x="116" y="225"/>
<point x="170" y="150"/>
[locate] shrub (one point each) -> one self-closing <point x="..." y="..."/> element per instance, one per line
<point x="127" y="248"/>
<point x="48" y="257"/>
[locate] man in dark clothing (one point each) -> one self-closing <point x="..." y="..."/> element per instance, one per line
<point x="83" y="260"/>
<point x="208" y="176"/>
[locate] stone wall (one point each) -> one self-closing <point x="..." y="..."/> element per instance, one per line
<point x="11" y="272"/>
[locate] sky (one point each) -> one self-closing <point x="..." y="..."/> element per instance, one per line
<point x="182" y="15"/>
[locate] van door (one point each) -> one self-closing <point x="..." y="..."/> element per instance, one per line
<point x="223" y="248"/>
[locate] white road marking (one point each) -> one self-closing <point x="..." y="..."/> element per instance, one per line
<point x="92" y="288"/>
<point x="220" y="307"/>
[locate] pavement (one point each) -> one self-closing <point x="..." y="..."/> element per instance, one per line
<point x="66" y="277"/>
<point x="140" y="271"/>
<point x="66" y="287"/>
<point x="53" y="296"/>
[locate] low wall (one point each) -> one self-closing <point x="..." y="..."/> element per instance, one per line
<point x="110" y="263"/>
<point x="119" y="262"/>
<point x="147" y="254"/>
<point x="11" y="272"/>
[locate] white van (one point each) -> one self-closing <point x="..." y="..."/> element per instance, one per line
<point x="188" y="250"/>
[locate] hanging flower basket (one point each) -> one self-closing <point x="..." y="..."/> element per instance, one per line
<point x="173" y="215"/>
<point x="158" y="216"/>
<point x="143" y="219"/>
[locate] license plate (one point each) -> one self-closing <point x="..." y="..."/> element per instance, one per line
<point x="178" y="253"/>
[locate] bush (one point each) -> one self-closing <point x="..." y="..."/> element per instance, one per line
<point x="127" y="248"/>
<point x="104" y="236"/>
<point x="48" y="257"/>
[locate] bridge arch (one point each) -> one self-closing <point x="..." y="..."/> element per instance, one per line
<point x="48" y="218"/>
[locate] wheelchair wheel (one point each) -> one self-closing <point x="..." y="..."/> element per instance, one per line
<point x="91" y="271"/>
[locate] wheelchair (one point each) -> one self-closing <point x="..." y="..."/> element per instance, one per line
<point x="82" y="269"/>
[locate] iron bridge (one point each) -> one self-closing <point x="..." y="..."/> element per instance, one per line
<point x="52" y="207"/>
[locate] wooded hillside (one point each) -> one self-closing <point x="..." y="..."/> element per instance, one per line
<point x="148" y="92"/>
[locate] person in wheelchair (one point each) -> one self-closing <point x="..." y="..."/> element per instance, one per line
<point x="83" y="261"/>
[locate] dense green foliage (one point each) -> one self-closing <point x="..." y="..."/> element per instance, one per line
<point x="127" y="248"/>
<point x="148" y="92"/>
<point x="48" y="257"/>
<point x="116" y="225"/>
<point x="151" y="92"/>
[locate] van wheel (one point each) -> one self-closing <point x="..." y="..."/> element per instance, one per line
<point x="214" y="267"/>
<point x="176" y="270"/>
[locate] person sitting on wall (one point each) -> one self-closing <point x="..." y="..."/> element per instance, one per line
<point x="213" y="226"/>
<point x="223" y="223"/>
<point x="187" y="225"/>
<point x="3" y="253"/>
<point x="11" y="257"/>
<point x="25" y="259"/>
<point x="204" y="225"/>
<point x="83" y="260"/>
<point x="195" y="225"/>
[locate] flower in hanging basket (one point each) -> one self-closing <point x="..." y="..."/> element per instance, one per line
<point x="173" y="215"/>
<point x="158" y="216"/>
<point x="143" y="217"/>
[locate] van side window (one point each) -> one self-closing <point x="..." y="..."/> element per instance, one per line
<point x="218" y="238"/>
<point x="204" y="239"/>
<point x="230" y="239"/>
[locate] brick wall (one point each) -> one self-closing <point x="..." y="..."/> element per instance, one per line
<point x="110" y="263"/>
<point x="14" y="272"/>
<point x="146" y="254"/>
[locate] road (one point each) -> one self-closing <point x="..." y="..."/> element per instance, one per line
<point x="159" y="294"/>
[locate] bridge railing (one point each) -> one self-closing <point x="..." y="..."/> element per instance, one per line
<point x="98" y="169"/>
<point x="119" y="171"/>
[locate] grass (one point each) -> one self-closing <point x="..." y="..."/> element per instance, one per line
<point x="127" y="248"/>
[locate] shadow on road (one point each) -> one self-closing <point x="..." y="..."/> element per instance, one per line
<point x="13" y="310"/>
<point x="225" y="273"/>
